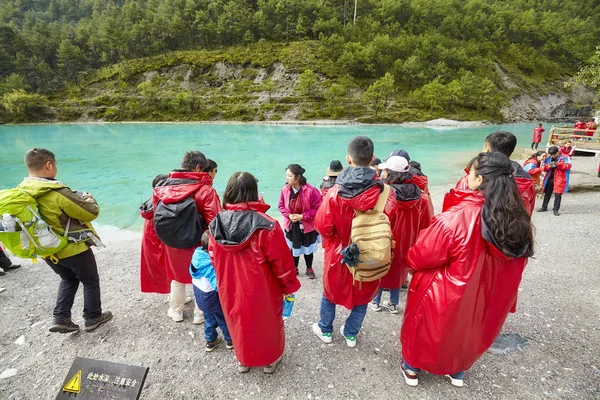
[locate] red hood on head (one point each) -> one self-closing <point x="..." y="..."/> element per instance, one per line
<point x="253" y="205"/>
<point x="180" y="185"/>
<point x="364" y="201"/>
<point x="421" y="181"/>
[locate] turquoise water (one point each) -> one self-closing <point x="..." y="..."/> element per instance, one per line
<point x="117" y="162"/>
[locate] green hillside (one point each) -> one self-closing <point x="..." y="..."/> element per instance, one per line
<point x="260" y="60"/>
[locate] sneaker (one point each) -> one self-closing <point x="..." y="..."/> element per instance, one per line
<point x="229" y="345"/>
<point x="350" y="340"/>
<point x="63" y="325"/>
<point x="374" y="306"/>
<point x="392" y="308"/>
<point x="93" y="323"/>
<point x="198" y="319"/>
<point x="177" y="316"/>
<point x="456" y="379"/>
<point x="410" y="377"/>
<point x="12" y="266"/>
<point x="325" y="337"/>
<point x="269" y="369"/>
<point x="242" y="368"/>
<point x="210" y="346"/>
<point x="542" y="209"/>
<point x="556" y="213"/>
<point x="310" y="273"/>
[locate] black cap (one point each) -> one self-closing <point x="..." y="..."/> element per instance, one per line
<point x="401" y="153"/>
<point x="335" y="167"/>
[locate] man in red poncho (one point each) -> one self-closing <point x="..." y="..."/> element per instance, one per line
<point x="184" y="183"/>
<point x="153" y="274"/>
<point x="356" y="189"/>
<point x="505" y="143"/>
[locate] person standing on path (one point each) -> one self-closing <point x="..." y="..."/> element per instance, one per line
<point x="187" y="182"/>
<point x="556" y="181"/>
<point x="6" y="264"/>
<point x="357" y="188"/>
<point x="65" y="209"/>
<point x="254" y="273"/>
<point x="537" y="136"/>
<point x="298" y="203"/>
<point x="467" y="265"/>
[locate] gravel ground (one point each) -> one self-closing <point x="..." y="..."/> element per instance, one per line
<point x="559" y="314"/>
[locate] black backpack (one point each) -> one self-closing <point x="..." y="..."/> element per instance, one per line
<point x="179" y="225"/>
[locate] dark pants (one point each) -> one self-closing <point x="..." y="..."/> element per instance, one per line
<point x="308" y="259"/>
<point x="534" y="145"/>
<point x="548" y="193"/>
<point x="4" y="260"/>
<point x="72" y="270"/>
<point x="211" y="322"/>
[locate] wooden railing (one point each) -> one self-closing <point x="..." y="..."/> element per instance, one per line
<point x="575" y="135"/>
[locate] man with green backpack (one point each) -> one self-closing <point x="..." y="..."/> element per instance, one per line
<point x="42" y="217"/>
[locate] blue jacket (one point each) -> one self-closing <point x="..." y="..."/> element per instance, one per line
<point x="205" y="282"/>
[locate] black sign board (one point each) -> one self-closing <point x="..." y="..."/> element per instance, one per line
<point x="96" y="379"/>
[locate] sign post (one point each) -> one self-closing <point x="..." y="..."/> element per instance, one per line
<point x="90" y="379"/>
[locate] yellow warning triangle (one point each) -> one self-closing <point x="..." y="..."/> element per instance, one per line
<point x="74" y="385"/>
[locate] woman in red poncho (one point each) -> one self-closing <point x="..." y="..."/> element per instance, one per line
<point x="153" y="274"/>
<point x="468" y="265"/>
<point x="254" y="270"/>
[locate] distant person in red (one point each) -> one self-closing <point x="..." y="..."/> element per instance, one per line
<point x="335" y="168"/>
<point x="468" y="266"/>
<point x="567" y="149"/>
<point x="537" y="136"/>
<point x="255" y="271"/>
<point x="407" y="208"/>
<point x="580" y="127"/>
<point x="556" y="180"/>
<point x="591" y="127"/>
<point x="153" y="274"/>
<point x="505" y="143"/>
<point x="184" y="183"/>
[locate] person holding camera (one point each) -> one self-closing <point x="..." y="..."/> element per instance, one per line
<point x="556" y="181"/>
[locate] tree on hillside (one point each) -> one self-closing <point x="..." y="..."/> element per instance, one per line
<point x="307" y="83"/>
<point x="589" y="74"/>
<point x="70" y="60"/>
<point x="431" y="94"/>
<point x="379" y="93"/>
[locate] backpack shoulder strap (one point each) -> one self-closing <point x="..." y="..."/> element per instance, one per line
<point x="383" y="197"/>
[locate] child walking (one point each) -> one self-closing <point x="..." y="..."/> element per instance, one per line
<point x="204" y="282"/>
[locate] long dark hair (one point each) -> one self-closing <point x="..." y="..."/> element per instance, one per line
<point x="397" y="177"/>
<point x="297" y="170"/>
<point x="503" y="210"/>
<point x="241" y="188"/>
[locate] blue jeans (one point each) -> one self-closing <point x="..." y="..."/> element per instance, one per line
<point x="458" y="375"/>
<point x="394" y="296"/>
<point x="211" y="322"/>
<point x="353" y="322"/>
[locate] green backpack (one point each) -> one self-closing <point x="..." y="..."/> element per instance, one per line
<point x="22" y="230"/>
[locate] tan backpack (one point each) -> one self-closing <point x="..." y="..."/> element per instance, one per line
<point x="372" y="233"/>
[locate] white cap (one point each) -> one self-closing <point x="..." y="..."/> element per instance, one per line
<point x="395" y="163"/>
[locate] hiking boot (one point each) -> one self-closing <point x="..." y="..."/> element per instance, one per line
<point x="198" y="319"/>
<point x="392" y="308"/>
<point x="176" y="316"/>
<point x="325" y="337"/>
<point x="210" y="346"/>
<point x="63" y="325"/>
<point x="310" y="273"/>
<point x="93" y="323"/>
<point x="12" y="266"/>
<point x="269" y="369"/>
<point x="410" y="377"/>
<point x="242" y="368"/>
<point x="374" y="306"/>
<point x="457" y="379"/>
<point x="350" y="340"/>
<point x="556" y="213"/>
<point x="543" y="209"/>
<point x="229" y="345"/>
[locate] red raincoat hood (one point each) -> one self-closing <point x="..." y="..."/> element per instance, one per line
<point x="181" y="184"/>
<point x="359" y="188"/>
<point x="408" y="195"/>
<point x="421" y="181"/>
<point x="235" y="225"/>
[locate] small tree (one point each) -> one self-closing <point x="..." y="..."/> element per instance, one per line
<point x="335" y="95"/>
<point x="70" y="60"/>
<point x="25" y="107"/>
<point x="431" y="94"/>
<point x="378" y="94"/>
<point x="307" y="82"/>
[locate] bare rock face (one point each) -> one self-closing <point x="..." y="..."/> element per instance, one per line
<point x="556" y="106"/>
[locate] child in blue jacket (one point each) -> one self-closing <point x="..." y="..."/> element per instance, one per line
<point x="207" y="298"/>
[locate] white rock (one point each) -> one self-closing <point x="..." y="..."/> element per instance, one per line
<point x="20" y="341"/>
<point x="9" y="373"/>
